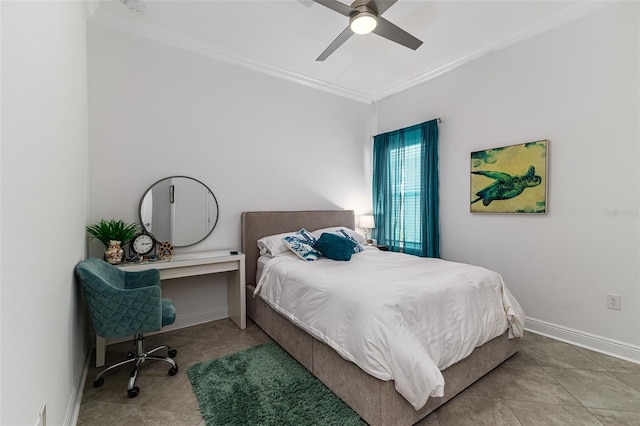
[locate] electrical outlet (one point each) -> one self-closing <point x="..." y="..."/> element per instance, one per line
<point x="614" y="302"/>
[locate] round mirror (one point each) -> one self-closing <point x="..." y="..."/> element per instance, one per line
<point x="179" y="209"/>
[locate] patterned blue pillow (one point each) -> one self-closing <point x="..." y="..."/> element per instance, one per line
<point x="357" y="248"/>
<point x="302" y="244"/>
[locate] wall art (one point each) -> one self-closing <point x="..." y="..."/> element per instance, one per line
<point x="510" y="179"/>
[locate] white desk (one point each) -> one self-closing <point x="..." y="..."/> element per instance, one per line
<point x="192" y="264"/>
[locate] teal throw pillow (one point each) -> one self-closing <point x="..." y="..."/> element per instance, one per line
<point x="335" y="247"/>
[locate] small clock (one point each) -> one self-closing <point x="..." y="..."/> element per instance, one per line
<point x="143" y="244"/>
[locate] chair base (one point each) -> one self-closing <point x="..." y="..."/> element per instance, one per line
<point x="139" y="358"/>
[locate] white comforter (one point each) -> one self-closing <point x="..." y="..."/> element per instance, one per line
<point x="398" y="317"/>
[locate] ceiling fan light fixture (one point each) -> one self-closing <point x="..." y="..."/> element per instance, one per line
<point x="363" y="22"/>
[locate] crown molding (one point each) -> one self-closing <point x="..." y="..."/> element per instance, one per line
<point x="190" y="44"/>
<point x="580" y="10"/>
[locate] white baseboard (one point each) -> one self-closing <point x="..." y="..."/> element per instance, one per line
<point x="73" y="410"/>
<point x="600" y="344"/>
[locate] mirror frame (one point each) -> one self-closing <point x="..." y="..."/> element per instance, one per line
<point x="215" y="200"/>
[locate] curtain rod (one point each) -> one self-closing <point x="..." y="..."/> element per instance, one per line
<point x="439" y="119"/>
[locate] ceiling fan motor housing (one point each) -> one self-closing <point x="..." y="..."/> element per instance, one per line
<point x="364" y="19"/>
<point x="368" y="4"/>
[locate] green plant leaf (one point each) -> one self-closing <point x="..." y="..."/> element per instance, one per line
<point x="107" y="230"/>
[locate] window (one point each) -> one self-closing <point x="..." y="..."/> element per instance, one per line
<point x="405" y="165"/>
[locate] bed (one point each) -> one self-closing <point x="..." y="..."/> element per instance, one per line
<point x="376" y="401"/>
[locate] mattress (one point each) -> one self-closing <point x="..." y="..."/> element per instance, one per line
<point x="397" y="317"/>
<point x="262" y="260"/>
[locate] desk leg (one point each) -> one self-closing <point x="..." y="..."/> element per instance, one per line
<point x="101" y="350"/>
<point x="236" y="301"/>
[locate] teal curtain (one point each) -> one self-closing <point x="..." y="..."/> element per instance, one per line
<point x="405" y="190"/>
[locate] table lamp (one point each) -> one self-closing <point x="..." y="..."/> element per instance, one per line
<point x="367" y="222"/>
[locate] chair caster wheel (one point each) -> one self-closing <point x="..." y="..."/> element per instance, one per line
<point x="172" y="353"/>
<point x="98" y="383"/>
<point x="173" y="371"/>
<point x="133" y="392"/>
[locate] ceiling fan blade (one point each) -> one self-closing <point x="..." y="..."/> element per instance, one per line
<point x="382" y="5"/>
<point x="391" y="32"/>
<point x="344" y="36"/>
<point x="335" y="5"/>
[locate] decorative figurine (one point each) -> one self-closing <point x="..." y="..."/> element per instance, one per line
<point x="166" y="250"/>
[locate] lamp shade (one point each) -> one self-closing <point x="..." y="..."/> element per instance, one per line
<point x="367" y="222"/>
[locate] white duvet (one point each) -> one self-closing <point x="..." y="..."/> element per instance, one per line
<point x="398" y="317"/>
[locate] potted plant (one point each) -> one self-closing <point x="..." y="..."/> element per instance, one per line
<point x="113" y="234"/>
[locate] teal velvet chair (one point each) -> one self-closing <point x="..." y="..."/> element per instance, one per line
<point x="123" y="304"/>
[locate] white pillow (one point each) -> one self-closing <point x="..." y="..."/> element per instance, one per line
<point x="273" y="245"/>
<point x="334" y="230"/>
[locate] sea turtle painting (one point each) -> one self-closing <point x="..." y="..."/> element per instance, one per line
<point x="510" y="179"/>
<point x="505" y="186"/>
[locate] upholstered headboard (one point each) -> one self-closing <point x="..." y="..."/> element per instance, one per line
<point x="256" y="225"/>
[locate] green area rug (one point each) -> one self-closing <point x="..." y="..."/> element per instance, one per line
<point x="264" y="385"/>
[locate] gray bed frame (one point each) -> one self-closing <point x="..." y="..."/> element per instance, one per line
<point x="376" y="401"/>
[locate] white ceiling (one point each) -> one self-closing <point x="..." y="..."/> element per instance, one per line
<point x="284" y="37"/>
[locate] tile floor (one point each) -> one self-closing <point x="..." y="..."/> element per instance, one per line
<point x="546" y="383"/>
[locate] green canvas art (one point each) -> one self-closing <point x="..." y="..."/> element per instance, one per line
<point x="510" y="179"/>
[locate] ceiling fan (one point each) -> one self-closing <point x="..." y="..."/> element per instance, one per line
<point x="365" y="16"/>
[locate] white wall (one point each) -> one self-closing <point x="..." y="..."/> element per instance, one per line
<point x="577" y="86"/>
<point x="44" y="208"/>
<point x="258" y="142"/>
<point x="261" y="143"/>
